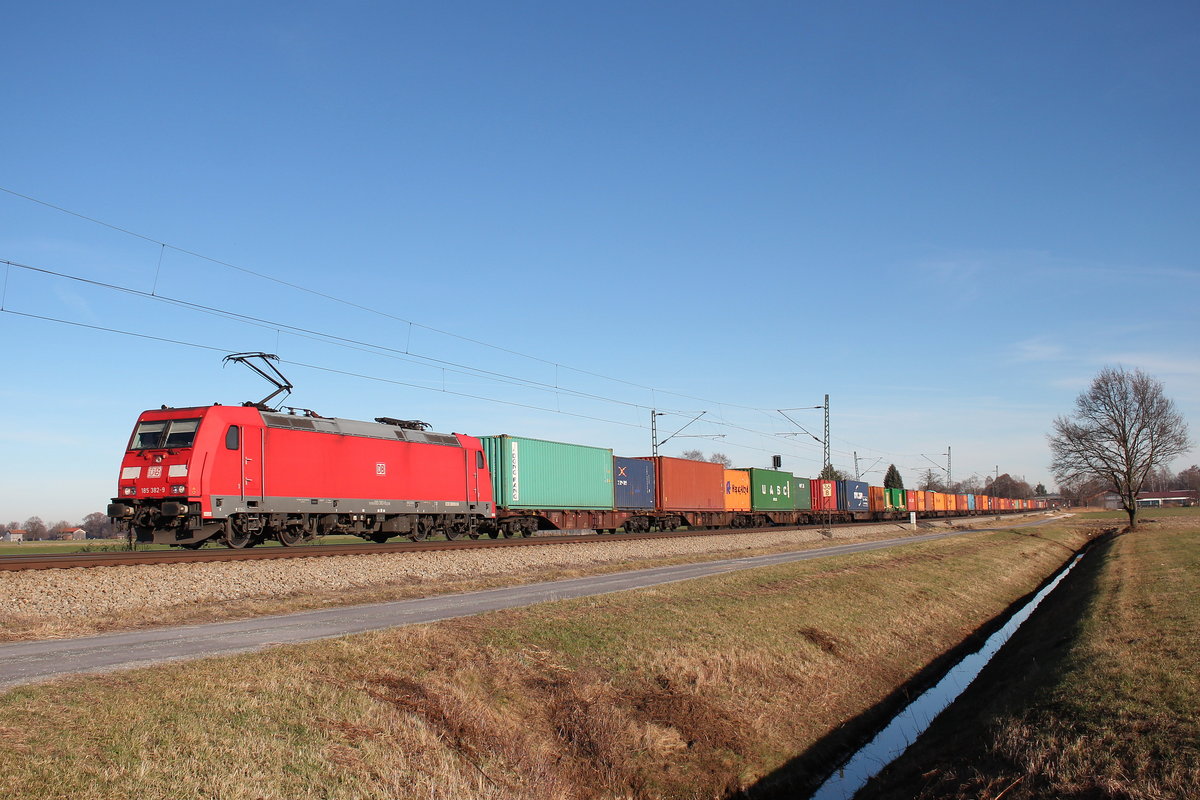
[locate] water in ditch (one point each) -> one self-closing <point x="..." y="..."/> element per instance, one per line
<point x="914" y="718"/>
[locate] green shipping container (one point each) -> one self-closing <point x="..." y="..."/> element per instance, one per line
<point x="802" y="494"/>
<point x="895" y="498"/>
<point x="532" y="473"/>
<point x="770" y="490"/>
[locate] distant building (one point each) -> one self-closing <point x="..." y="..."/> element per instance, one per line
<point x="1178" y="497"/>
<point x="70" y="534"/>
<point x="13" y="536"/>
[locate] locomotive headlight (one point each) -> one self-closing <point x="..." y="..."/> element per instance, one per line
<point x="179" y="489"/>
<point x="129" y="491"/>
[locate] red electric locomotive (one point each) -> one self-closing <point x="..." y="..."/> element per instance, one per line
<point x="240" y="474"/>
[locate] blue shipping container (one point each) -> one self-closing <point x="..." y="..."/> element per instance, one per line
<point x="633" y="480"/>
<point x="971" y="502"/>
<point x="853" y="496"/>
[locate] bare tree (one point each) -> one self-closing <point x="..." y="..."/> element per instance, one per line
<point x="722" y="459"/>
<point x="35" y="528"/>
<point x="692" y="455"/>
<point x="832" y="473"/>
<point x="1123" y="427"/>
<point x="1190" y="478"/>
<point x="930" y="481"/>
<point x="97" y="525"/>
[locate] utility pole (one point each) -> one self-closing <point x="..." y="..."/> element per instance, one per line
<point x="949" y="475"/>
<point x="654" y="442"/>
<point x="827" y="430"/>
<point x="855" y="465"/>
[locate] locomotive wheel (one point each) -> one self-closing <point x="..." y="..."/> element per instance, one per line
<point x="290" y="535"/>
<point x="452" y="532"/>
<point x="237" y="540"/>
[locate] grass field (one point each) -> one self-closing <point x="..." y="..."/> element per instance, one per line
<point x="693" y="689"/>
<point x="1096" y="697"/>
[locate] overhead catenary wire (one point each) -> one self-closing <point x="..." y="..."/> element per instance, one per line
<point x="522" y="381"/>
<point x="350" y="303"/>
<point x="388" y="352"/>
<point x="348" y="373"/>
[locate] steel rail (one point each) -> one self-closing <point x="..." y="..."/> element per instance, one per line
<point x="36" y="561"/>
<point x="135" y="557"/>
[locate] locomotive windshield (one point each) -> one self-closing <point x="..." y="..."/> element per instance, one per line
<point x="164" y="434"/>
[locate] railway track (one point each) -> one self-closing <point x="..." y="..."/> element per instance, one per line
<point x="35" y="561"/>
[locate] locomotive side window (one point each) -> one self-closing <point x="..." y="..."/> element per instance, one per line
<point x="164" y="433"/>
<point x="231" y="438"/>
<point x="479" y="459"/>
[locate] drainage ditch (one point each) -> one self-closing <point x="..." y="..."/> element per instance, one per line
<point x="912" y="720"/>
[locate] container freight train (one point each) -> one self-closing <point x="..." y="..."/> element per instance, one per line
<point x="240" y="475"/>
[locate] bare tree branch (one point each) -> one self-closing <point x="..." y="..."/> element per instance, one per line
<point x="1123" y="429"/>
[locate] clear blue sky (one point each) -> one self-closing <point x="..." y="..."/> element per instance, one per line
<point x="947" y="216"/>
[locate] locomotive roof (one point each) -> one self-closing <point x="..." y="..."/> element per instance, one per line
<point x="346" y="427"/>
<point x="354" y="427"/>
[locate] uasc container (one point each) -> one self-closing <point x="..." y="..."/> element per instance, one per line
<point x="536" y="474"/>
<point x="633" y="483"/>
<point x="770" y="489"/>
<point x="737" y="490"/>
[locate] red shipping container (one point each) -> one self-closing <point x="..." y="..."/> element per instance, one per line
<point x="824" y="495"/>
<point x="685" y="485"/>
<point x="910" y="500"/>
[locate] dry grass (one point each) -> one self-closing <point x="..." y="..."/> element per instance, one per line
<point x="1098" y="696"/>
<point x="688" y="690"/>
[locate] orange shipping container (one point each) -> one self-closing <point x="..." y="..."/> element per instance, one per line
<point x="875" y="499"/>
<point x="681" y="484"/>
<point x="737" y="490"/>
<point x="939" y="501"/>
